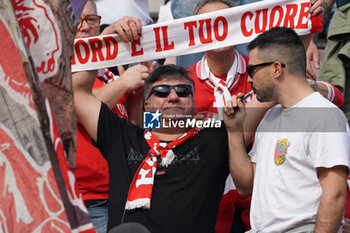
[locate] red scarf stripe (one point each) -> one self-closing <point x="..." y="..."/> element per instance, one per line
<point x="141" y="187"/>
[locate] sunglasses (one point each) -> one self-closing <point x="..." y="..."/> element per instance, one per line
<point x="163" y="91"/>
<point x="251" y="68"/>
<point x="92" y="20"/>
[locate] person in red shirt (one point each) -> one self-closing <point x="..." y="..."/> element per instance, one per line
<point x="91" y="171"/>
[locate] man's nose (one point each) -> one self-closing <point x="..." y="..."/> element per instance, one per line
<point x="172" y="95"/>
<point x="84" y="25"/>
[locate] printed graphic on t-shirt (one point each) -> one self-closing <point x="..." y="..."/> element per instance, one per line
<point x="134" y="157"/>
<point x="281" y="151"/>
<point x="190" y="158"/>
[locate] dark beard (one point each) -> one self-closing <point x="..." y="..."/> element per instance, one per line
<point x="264" y="95"/>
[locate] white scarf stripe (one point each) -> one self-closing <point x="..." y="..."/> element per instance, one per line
<point x="222" y="92"/>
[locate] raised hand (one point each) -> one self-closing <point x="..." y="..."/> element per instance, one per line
<point x="134" y="77"/>
<point x="151" y="67"/>
<point x="129" y="28"/>
<point x="234" y="114"/>
<point x="312" y="58"/>
<point x="317" y="7"/>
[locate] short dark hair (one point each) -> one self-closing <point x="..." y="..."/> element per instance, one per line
<point x="201" y="3"/>
<point x="167" y="71"/>
<point x="281" y="44"/>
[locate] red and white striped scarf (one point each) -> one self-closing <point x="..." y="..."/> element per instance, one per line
<point x="222" y="88"/>
<point x="141" y="187"/>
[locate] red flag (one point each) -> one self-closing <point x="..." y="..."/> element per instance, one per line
<point x="38" y="192"/>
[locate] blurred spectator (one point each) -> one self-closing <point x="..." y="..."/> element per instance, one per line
<point x="165" y="15"/>
<point x="336" y="64"/>
<point x="219" y="74"/>
<point x="111" y="10"/>
<point x="91" y="169"/>
<point x="180" y="9"/>
<point x="184" y="8"/>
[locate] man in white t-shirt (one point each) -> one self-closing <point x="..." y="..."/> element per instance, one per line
<point x="298" y="167"/>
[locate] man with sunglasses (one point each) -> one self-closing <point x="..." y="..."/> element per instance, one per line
<point x="91" y="170"/>
<point x="168" y="179"/>
<point x="218" y="75"/>
<point x="298" y="167"/>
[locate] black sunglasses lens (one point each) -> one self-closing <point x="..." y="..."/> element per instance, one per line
<point x="161" y="91"/>
<point x="164" y="90"/>
<point x="249" y="71"/>
<point x="183" y="90"/>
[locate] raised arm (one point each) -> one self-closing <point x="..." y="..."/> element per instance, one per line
<point x="322" y="8"/>
<point x="241" y="168"/>
<point x="86" y="105"/>
<point x="328" y="91"/>
<point x="130" y="80"/>
<point x="135" y="99"/>
<point x="331" y="208"/>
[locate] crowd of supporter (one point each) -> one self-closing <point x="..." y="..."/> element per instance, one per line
<point x="212" y="83"/>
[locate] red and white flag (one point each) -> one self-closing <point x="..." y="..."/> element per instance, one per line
<point x="38" y="191"/>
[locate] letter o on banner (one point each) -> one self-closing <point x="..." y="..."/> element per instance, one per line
<point x="272" y="17"/>
<point x="219" y="37"/>
<point x="78" y="53"/>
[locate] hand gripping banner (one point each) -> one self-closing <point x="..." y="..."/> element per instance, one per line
<point x="194" y="34"/>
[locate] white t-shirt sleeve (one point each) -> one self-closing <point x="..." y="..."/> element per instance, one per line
<point x="252" y="152"/>
<point x="330" y="149"/>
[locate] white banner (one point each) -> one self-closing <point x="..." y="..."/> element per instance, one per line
<point x="193" y="34"/>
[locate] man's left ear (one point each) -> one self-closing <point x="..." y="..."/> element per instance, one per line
<point x="278" y="69"/>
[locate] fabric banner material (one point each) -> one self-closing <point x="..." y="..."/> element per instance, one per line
<point x="48" y="34"/>
<point x="38" y="191"/>
<point x="194" y="34"/>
